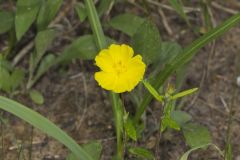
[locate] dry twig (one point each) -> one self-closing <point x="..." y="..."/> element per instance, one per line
<point x="185" y="9"/>
<point x="165" y="22"/>
<point x="223" y="8"/>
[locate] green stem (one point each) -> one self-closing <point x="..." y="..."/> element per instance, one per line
<point x="101" y="43"/>
<point x="118" y="115"/>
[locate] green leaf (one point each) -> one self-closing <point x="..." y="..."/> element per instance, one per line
<point x="141" y="152"/>
<point x="47" y="62"/>
<point x="81" y="11"/>
<point x="84" y="47"/>
<point x="168" y="122"/>
<point x="196" y="135"/>
<point x="25" y="15"/>
<point x="5" y="64"/>
<point x="47" y="12"/>
<point x="184" y="57"/>
<point x="147" y="42"/>
<point x="36" y="97"/>
<point x="5" y="83"/>
<point x="153" y="91"/>
<point x="10" y="78"/>
<point x="43" y="124"/>
<point x="127" y="23"/>
<point x="183" y="93"/>
<point x="181" y="73"/>
<point x="71" y="156"/>
<point x="180" y="117"/>
<point x="169" y="50"/>
<point x="130" y="129"/>
<point x="93" y="148"/>
<point x="178" y="6"/>
<point x="42" y="41"/>
<point x="7" y="21"/>
<point x="140" y="127"/>
<point x="16" y="78"/>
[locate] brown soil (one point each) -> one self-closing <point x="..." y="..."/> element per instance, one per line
<point x="75" y="102"/>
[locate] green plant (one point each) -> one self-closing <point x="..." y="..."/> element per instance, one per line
<point x="162" y="59"/>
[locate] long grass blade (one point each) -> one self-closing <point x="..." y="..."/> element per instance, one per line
<point x="185" y="57"/>
<point x="43" y="124"/>
<point x="95" y="24"/>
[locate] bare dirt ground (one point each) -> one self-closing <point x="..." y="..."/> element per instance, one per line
<point x="75" y="102"/>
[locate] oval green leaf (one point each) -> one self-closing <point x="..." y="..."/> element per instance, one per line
<point x="127" y="23"/>
<point x="130" y="129"/>
<point x="6" y="19"/>
<point x="141" y="152"/>
<point x="47" y="12"/>
<point x="26" y="13"/>
<point x="147" y="42"/>
<point x="196" y="135"/>
<point x="36" y="97"/>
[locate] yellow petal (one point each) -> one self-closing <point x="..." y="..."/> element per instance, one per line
<point x="121" y="85"/>
<point x="126" y="52"/>
<point x="105" y="80"/>
<point x="115" y="52"/>
<point x="136" y="65"/>
<point x="104" y="61"/>
<point x="129" y="80"/>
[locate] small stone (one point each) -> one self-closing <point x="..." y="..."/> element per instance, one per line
<point x="56" y="156"/>
<point x="90" y="123"/>
<point x="238" y="157"/>
<point x="109" y="126"/>
<point x="238" y="81"/>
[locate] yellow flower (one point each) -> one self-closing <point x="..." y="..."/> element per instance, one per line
<point x="120" y="71"/>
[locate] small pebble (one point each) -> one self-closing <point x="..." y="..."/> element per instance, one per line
<point x="90" y="123"/>
<point x="238" y="157"/>
<point x="238" y="81"/>
<point x="109" y="126"/>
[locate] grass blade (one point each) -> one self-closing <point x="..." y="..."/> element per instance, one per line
<point x="178" y="6"/>
<point x="95" y="24"/>
<point x="42" y="123"/>
<point x="186" y="154"/>
<point x="185" y="57"/>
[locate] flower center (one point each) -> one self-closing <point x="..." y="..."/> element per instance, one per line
<point x="119" y="67"/>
